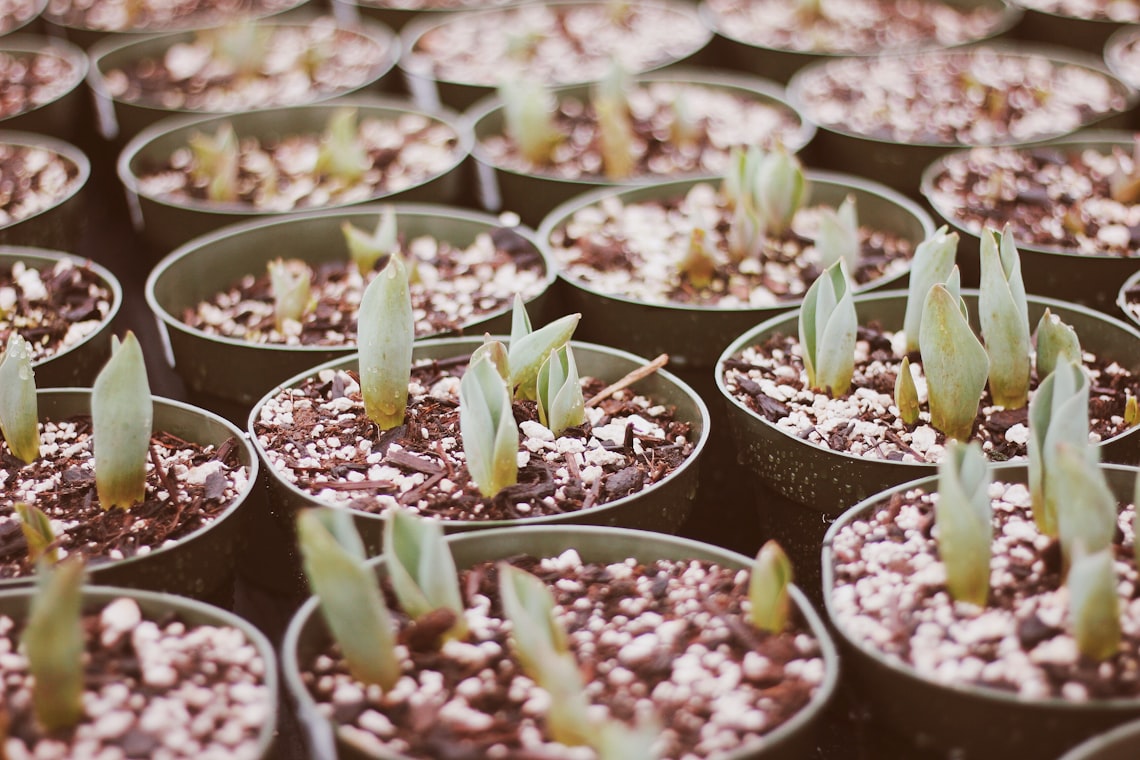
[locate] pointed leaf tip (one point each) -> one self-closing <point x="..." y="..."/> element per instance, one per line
<point x="122" y="417"/>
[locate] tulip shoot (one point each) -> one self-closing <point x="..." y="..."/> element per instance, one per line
<point x="768" y="599"/>
<point x="487" y="424"/>
<point x="528" y="110"/>
<point x="933" y="262"/>
<point x="954" y="361"/>
<point x="341" y="154"/>
<point x="838" y="236"/>
<point x="1058" y="413"/>
<point x="906" y="394"/>
<point x="19" y="410"/>
<point x="827" y="329"/>
<point x="291" y="284"/>
<point x="965" y="522"/>
<point x="386" y="331"/>
<point x="1057" y="343"/>
<point x="561" y="404"/>
<point x="1004" y="318"/>
<point x="38" y="533"/>
<point x="53" y="645"/>
<point x="422" y="569"/>
<point x="368" y="248"/>
<point x="122" y="415"/>
<point x="1094" y="603"/>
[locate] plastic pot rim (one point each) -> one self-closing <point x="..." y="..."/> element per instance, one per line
<point x="900" y="669"/>
<point x="38" y="44"/>
<point x="190" y="24"/>
<point x="1122" y="300"/>
<point x="21" y="27"/>
<point x="60" y="148"/>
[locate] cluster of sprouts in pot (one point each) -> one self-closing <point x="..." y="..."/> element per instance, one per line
<point x="425" y="581"/>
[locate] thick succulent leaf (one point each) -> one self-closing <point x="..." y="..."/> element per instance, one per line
<point x="615" y="126"/>
<point x="19" y="409"/>
<point x="827" y="328"/>
<point x="965" y="522"/>
<point x="1058" y="413"/>
<point x="38" y="533"/>
<point x="699" y="264"/>
<point x="745" y="232"/>
<point x="838" y="236"/>
<point x="53" y="644"/>
<point x="528" y="110"/>
<point x="495" y="352"/>
<point x="685" y="128"/>
<point x="122" y="415"/>
<point x="1056" y="342"/>
<point x="342" y="154"/>
<point x="1004" y="318"/>
<point x="955" y="364"/>
<point x="933" y="262"/>
<point x="1131" y="411"/>
<point x="366" y="248"/>
<point x="520" y="320"/>
<point x="768" y="588"/>
<point x="487" y="424"/>
<point x="291" y="283"/>
<point x="350" y="598"/>
<point x="421" y="567"/>
<point x="740" y="176"/>
<point x="243" y="44"/>
<point x="1094" y="604"/>
<point x="779" y="190"/>
<point x="528" y="353"/>
<point x="1085" y="506"/>
<point x="216" y="160"/>
<point x="568" y="407"/>
<point x="539" y="639"/>
<point x="386" y="331"/>
<point x="618" y="741"/>
<point x="906" y="394"/>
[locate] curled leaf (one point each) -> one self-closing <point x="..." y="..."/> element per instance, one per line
<point x="561" y="404"/>
<point x="487" y="424"/>
<point x="291" y="283"/>
<point x="421" y="568"/>
<point x="932" y="263"/>
<point x="1058" y="413"/>
<point x="53" y="644"/>
<point x="386" y="331"/>
<point x="495" y="352"/>
<point x="38" y="533"/>
<point x="528" y="351"/>
<point x="827" y="328"/>
<point x="965" y="522"/>
<point x="1004" y="318"/>
<point x="122" y="414"/>
<point x="1094" y="603"/>
<point x="368" y="248"/>
<point x="838" y="235"/>
<point x="906" y="394"/>
<point x="768" y="588"/>
<point x="19" y="410"/>
<point x="528" y="109"/>
<point x="954" y="361"/>
<point x="1056" y="342"/>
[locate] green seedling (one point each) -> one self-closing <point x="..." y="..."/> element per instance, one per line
<point x="216" y="163"/>
<point x="699" y="265"/>
<point x="965" y="522"/>
<point x="529" y="110"/>
<point x="529" y="348"/>
<point x="615" y="126"/>
<point x="780" y="190"/>
<point x="19" y="410"/>
<point x="769" y="602"/>
<point x="38" y="534"/>
<point x="1094" y="603"/>
<point x="495" y="352"/>
<point x="933" y="262"/>
<point x="838" y="235"/>
<point x="685" y="127"/>
<point x="342" y="154"/>
<point x="1085" y="505"/>
<point x="368" y="248"/>
<point x="350" y="599"/>
<point x="53" y="645"/>
<point x="745" y="233"/>
<point x="954" y="361"/>
<point x="1131" y="411"/>
<point x="243" y="45"/>
<point x="561" y="404"/>
<point x="1004" y="318"/>
<point x="1125" y="186"/>
<point x="385" y="333"/>
<point x="422" y="569"/>
<point x="1057" y="343"/>
<point x="487" y="424"/>
<point x="827" y="327"/>
<point x="291" y="284"/>
<point x="1058" y="413"/>
<point x="122" y="415"/>
<point x="906" y="394"/>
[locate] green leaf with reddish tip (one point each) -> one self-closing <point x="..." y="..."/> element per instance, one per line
<point x="933" y="261"/>
<point x="906" y="394"/>
<point x="386" y="331"/>
<point x="768" y="588"/>
<point x="349" y="595"/>
<point x="487" y="424"/>
<point x="53" y="644"/>
<point x="965" y="522"/>
<point x="19" y="408"/>
<point x="1057" y="342"/>
<point x="38" y="533"/>
<point x="1094" y="603"/>
<point x="122" y="416"/>
<point x="421" y="568"/>
<point x="1004" y="318"/>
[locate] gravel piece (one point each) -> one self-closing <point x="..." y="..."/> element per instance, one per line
<point x="52" y="309"/>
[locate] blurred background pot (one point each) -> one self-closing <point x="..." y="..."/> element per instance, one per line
<point x="60" y="221"/>
<point x="1121" y="743"/>
<point x="61" y="114"/>
<point x="1074" y="24"/>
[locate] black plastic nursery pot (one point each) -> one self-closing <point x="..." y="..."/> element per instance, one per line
<point x="60" y="225"/>
<point x="396" y="17"/>
<point x="1050" y="271"/>
<point x="307" y="633"/>
<point x="900" y="164"/>
<point x="121" y="119"/>
<point x="781" y="64"/>
<point x="534" y="195"/>
<point x="1000" y="724"/>
<point x="31" y="23"/>
<point x="167" y="223"/>
<point x="1121" y="743"/>
<point x="1120" y="63"/>
<point x="661" y="507"/>
<point x="815" y="485"/>
<point x="1131" y="285"/>
<point x="429" y="90"/>
<point x="60" y="116"/>
<point x="200" y="565"/>
<point x="226" y="374"/>
<point x="79" y="364"/>
<point x="1087" y="34"/>
<point x="157" y="606"/>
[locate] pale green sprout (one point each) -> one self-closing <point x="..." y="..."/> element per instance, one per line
<point x="422" y="569"/>
<point x="827" y="328"/>
<point x="779" y="190"/>
<point x="487" y="424"/>
<point x="1004" y="319"/>
<point x="350" y="599"/>
<point x="769" y="602"/>
<point x="385" y="333"/>
<point x="809" y="10"/>
<point x="1056" y="342"/>
<point x="19" y="410"/>
<point x="699" y="264"/>
<point x="216" y="160"/>
<point x="1094" y="603"/>
<point x="1085" y="505"/>
<point x="529" y="348"/>
<point x="290" y="281"/>
<point x="965" y="522"/>
<point x="122" y="415"/>
<point x="1124" y="187"/>
<point x="495" y="352"/>
<point x="954" y="361"/>
<point x="528" y="109"/>
<point x="838" y="235"/>
<point x="561" y="404"/>
<point x="933" y="262"/>
<point x="745" y="232"/>
<point x="543" y="651"/>
<point x="367" y="248"/>
<point x="341" y="154"/>
<point x="53" y="645"/>
<point x="38" y="533"/>
<point x="1058" y="413"/>
<point x="1131" y="411"/>
<point x="685" y="128"/>
<point x="906" y="394"/>
<point x="615" y="127"/>
<point x="242" y="44"/>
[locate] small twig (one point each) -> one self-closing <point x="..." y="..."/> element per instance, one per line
<point x="163" y="476"/>
<point x="630" y="379"/>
